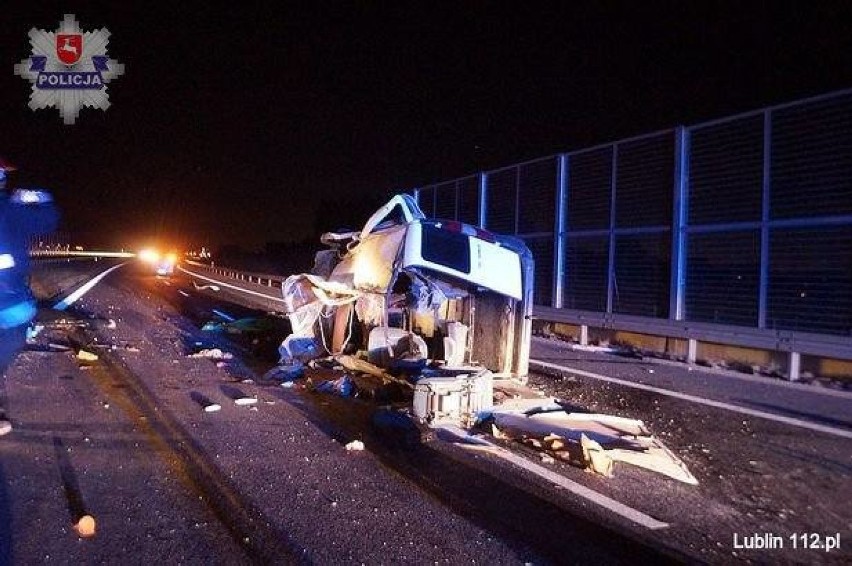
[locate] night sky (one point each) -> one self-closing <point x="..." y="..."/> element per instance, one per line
<point x="233" y="125"/>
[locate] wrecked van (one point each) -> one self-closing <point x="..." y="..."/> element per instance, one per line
<point x="413" y="292"/>
<point x="445" y="308"/>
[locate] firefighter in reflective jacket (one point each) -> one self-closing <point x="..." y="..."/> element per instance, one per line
<point x="23" y="215"/>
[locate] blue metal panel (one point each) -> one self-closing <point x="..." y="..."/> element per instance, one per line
<point x="542" y="251"/>
<point x="445" y="200"/>
<point x="644" y="181"/>
<point x="587" y="260"/>
<point x="590" y="198"/>
<point x="726" y="172"/>
<point x="468" y="200"/>
<point x="502" y="198"/>
<point x="641" y="274"/>
<point x="537" y="186"/>
<point x="812" y="159"/>
<point x="722" y="277"/>
<point x="810" y="280"/>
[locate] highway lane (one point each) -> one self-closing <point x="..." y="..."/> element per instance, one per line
<point x="755" y="476"/>
<point x="275" y="483"/>
<point x="772" y="457"/>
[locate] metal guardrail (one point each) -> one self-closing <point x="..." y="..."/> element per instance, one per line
<point x="264" y="279"/>
<point x="78" y="253"/>
<point x="794" y="344"/>
<point x="790" y="342"/>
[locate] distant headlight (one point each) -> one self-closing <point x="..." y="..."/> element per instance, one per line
<point x="7" y="261"/>
<point x="149" y="256"/>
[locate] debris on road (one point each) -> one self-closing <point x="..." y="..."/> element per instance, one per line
<point x="592" y="440"/>
<point x="242" y="401"/>
<point x="111" y="324"/>
<point x="203" y="287"/>
<point x="250" y="325"/>
<point x="212" y="354"/>
<point x="355" y="446"/>
<point x="85" y="527"/>
<point x="285" y="372"/>
<point x="33" y="332"/>
<point x="86" y="356"/>
<point x="299" y="348"/>
<point x="342" y="386"/>
<point x="356" y="364"/>
<point x="453" y="395"/>
<point x="206" y="403"/>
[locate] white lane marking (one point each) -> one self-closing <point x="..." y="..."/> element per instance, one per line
<point x="616" y="507"/>
<point x="70" y="299"/>
<point x="224" y="315"/>
<point x="702" y="401"/>
<point x="234" y="287"/>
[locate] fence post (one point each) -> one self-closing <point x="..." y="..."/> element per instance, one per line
<point x="763" y="285"/>
<point x="483" y="198"/>
<point x="680" y="207"/>
<point x="558" y="229"/>
<point x="611" y="282"/>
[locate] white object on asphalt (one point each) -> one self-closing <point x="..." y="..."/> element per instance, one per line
<point x="355" y="445"/>
<point x="212" y="354"/>
<point x="212" y="408"/>
<point x="245" y="401"/>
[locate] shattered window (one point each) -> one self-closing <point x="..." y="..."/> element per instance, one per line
<point x="449" y="249"/>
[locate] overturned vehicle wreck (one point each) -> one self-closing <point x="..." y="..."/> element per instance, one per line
<point x="444" y="303"/>
<point x="443" y="309"/>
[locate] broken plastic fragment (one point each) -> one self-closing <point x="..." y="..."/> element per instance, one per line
<point x="342" y="386"/>
<point x="355" y="445"/>
<point x="286" y="372"/>
<point x="212" y="408"/>
<point x="85" y="527"/>
<point x="213" y="354"/>
<point x="85" y="356"/>
<point x="596" y="457"/>
<point x="245" y="401"/>
<point x="34" y="331"/>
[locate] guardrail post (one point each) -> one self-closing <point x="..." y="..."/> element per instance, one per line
<point x="691" y="350"/>
<point x="794" y="366"/>
<point x="584" y="335"/>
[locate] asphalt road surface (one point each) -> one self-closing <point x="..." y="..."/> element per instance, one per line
<point x="125" y="439"/>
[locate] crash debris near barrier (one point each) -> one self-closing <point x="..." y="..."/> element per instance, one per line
<point x="592" y="440"/>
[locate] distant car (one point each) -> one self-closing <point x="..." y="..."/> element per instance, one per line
<point x="166" y="265"/>
<point x="163" y="264"/>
